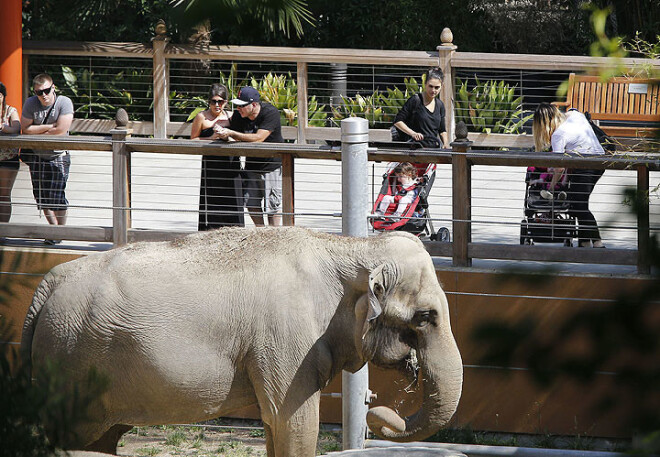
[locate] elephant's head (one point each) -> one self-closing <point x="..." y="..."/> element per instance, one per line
<point x="403" y="322"/>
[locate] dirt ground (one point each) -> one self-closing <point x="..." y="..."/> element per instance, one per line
<point x="236" y="439"/>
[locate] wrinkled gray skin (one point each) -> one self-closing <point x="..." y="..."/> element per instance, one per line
<point x="196" y="328"/>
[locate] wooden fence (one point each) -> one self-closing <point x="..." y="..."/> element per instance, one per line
<point x="462" y="250"/>
<point x="446" y="56"/>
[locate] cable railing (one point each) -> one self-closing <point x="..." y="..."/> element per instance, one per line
<point x="161" y="83"/>
<point x="125" y="189"/>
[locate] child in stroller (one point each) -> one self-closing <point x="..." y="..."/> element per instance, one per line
<point x="546" y="209"/>
<point x="541" y="179"/>
<point x="402" y="202"/>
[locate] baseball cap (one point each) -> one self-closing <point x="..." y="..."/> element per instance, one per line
<point x="246" y="95"/>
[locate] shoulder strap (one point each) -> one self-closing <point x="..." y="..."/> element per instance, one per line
<point x="50" y="110"/>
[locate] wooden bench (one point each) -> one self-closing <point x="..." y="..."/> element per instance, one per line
<point x="634" y="103"/>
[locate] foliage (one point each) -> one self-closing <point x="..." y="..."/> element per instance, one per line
<point x="534" y="26"/>
<point x="528" y="26"/>
<point x="617" y="337"/>
<point x="100" y="96"/>
<point x="490" y="107"/>
<point x="94" y="20"/>
<point x="176" y="438"/>
<point x="281" y="91"/>
<point x="379" y="108"/>
<point x="275" y="15"/>
<point x="392" y="100"/>
<point x="49" y="407"/>
<point x="646" y="49"/>
<point x="366" y="107"/>
<point x="21" y="430"/>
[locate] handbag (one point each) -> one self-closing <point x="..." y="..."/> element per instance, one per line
<point x="8" y="153"/>
<point x="398" y="135"/>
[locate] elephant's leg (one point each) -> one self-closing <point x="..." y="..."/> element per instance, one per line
<point x="108" y="442"/>
<point x="270" y="447"/>
<point x="296" y="435"/>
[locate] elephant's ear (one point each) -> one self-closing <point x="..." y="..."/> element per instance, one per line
<point x="370" y="305"/>
<point x="376" y="292"/>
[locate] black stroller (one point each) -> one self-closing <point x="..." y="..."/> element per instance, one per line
<point x="415" y="218"/>
<point x="546" y="212"/>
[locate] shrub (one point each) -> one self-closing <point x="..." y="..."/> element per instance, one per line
<point x="490" y="107"/>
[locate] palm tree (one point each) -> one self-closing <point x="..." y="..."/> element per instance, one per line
<point x="282" y="15"/>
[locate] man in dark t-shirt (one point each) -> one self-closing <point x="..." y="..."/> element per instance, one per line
<point x="257" y="121"/>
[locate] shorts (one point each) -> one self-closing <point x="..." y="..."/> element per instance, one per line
<point x="49" y="181"/>
<point x="258" y="187"/>
<point x="12" y="164"/>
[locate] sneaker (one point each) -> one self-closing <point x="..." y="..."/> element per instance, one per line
<point x="52" y="242"/>
<point x="562" y="195"/>
<point x="547" y="195"/>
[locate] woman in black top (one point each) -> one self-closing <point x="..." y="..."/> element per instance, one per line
<point x="422" y="117"/>
<point x="221" y="191"/>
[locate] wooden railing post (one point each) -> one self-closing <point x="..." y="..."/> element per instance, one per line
<point x="643" y="221"/>
<point x="445" y="54"/>
<point x="160" y="81"/>
<point x="461" y="197"/>
<point x="302" y="81"/>
<point x="121" y="216"/>
<point x="288" y="191"/>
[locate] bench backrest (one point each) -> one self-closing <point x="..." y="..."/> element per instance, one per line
<point x="617" y="99"/>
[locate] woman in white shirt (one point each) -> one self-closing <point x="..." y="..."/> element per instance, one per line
<point x="571" y="132"/>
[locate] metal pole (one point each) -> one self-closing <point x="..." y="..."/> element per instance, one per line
<point x="355" y="208"/>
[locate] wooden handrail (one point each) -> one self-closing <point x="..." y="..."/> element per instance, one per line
<point x="331" y="55"/>
<point x="461" y="162"/>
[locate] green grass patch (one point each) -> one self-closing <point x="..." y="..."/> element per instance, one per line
<point x="176" y="438"/>
<point x="151" y="451"/>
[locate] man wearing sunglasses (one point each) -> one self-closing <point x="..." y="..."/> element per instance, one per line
<point x="46" y="113"/>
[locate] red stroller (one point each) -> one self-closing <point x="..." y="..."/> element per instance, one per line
<point x="406" y="208"/>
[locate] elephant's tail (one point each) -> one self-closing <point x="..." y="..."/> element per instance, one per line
<point x="39" y="298"/>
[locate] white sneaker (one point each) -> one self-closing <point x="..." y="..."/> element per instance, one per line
<point x="547" y="195"/>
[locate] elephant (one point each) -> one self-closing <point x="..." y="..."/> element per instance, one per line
<point x="191" y="329"/>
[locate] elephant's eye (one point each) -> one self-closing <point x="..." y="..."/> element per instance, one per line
<point x="423" y="318"/>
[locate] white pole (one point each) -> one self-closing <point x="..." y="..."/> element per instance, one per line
<point x="355" y="208"/>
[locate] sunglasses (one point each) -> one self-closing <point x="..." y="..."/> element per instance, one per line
<point x="46" y="91"/>
<point x="217" y="102"/>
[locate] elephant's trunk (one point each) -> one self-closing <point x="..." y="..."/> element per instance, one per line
<point x="441" y="378"/>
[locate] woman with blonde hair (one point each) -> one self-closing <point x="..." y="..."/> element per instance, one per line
<point x="571" y="132"/>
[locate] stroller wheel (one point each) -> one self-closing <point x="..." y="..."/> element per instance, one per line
<point x="523" y="232"/>
<point x="443" y="235"/>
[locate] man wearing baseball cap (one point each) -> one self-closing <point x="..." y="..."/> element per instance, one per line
<point x="256" y="121"/>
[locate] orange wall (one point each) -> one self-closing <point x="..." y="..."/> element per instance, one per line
<point x="11" y="52"/>
<point x="494" y="398"/>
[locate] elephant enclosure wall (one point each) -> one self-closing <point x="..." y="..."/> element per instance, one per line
<point x="545" y="330"/>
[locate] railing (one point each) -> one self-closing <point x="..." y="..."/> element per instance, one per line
<point x="461" y="161"/>
<point x="164" y="54"/>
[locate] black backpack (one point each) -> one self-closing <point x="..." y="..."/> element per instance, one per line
<point x="603" y="138"/>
